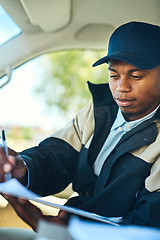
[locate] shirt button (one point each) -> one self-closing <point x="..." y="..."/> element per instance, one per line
<point x="120" y="129"/>
<point x="145" y="139"/>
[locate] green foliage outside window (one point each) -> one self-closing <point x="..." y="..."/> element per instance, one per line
<point x="64" y="82"/>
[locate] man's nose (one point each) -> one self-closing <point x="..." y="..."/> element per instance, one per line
<point x="123" y="85"/>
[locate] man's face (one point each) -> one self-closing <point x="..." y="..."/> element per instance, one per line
<point x="136" y="91"/>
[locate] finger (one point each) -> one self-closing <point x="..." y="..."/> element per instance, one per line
<point x="2" y="156"/>
<point x="26" y="211"/>
<point x="12" y="160"/>
<point x="18" y="205"/>
<point x="64" y="216"/>
<point x="16" y="166"/>
<point x="33" y="215"/>
<point x="3" y="160"/>
<point x="54" y="219"/>
<point x="5" y="195"/>
<point x="7" y="167"/>
<point x="13" y="165"/>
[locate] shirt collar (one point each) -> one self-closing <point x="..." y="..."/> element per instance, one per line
<point x="119" y="121"/>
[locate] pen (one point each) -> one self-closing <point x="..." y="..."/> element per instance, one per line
<point x="5" y="148"/>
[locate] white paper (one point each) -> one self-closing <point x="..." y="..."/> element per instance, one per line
<point x="84" y="230"/>
<point x="49" y="231"/>
<point x="13" y="187"/>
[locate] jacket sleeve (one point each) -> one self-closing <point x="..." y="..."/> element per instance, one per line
<point x="51" y="164"/>
<point x="146" y="211"/>
<point x="147" y="206"/>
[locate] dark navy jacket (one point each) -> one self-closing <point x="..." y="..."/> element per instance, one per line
<point x="129" y="182"/>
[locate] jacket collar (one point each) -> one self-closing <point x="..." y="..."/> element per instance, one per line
<point x="101" y="94"/>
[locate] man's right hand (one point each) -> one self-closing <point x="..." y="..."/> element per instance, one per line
<point x="12" y="164"/>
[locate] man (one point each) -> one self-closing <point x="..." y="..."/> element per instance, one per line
<point x="110" y="150"/>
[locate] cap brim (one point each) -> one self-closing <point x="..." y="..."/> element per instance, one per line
<point x="136" y="60"/>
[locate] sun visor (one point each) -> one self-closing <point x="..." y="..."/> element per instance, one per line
<point x="49" y="15"/>
<point x="95" y="33"/>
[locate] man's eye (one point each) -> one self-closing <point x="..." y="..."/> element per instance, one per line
<point x="115" y="77"/>
<point x="135" y="77"/>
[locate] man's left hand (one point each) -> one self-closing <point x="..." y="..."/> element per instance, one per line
<point x="31" y="214"/>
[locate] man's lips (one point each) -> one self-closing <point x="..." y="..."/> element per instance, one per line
<point x="123" y="102"/>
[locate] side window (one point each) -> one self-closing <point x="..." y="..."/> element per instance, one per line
<point x="45" y="93"/>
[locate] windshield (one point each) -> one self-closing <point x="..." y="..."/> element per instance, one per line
<point x="8" y="28"/>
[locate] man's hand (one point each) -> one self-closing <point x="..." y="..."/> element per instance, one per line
<point x="30" y="214"/>
<point x="12" y="164"/>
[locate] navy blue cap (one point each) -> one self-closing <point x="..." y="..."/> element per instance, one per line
<point x="137" y="43"/>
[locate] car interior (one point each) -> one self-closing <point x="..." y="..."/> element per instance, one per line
<point x="45" y="26"/>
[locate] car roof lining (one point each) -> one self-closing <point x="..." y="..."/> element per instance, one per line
<point x="86" y="25"/>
